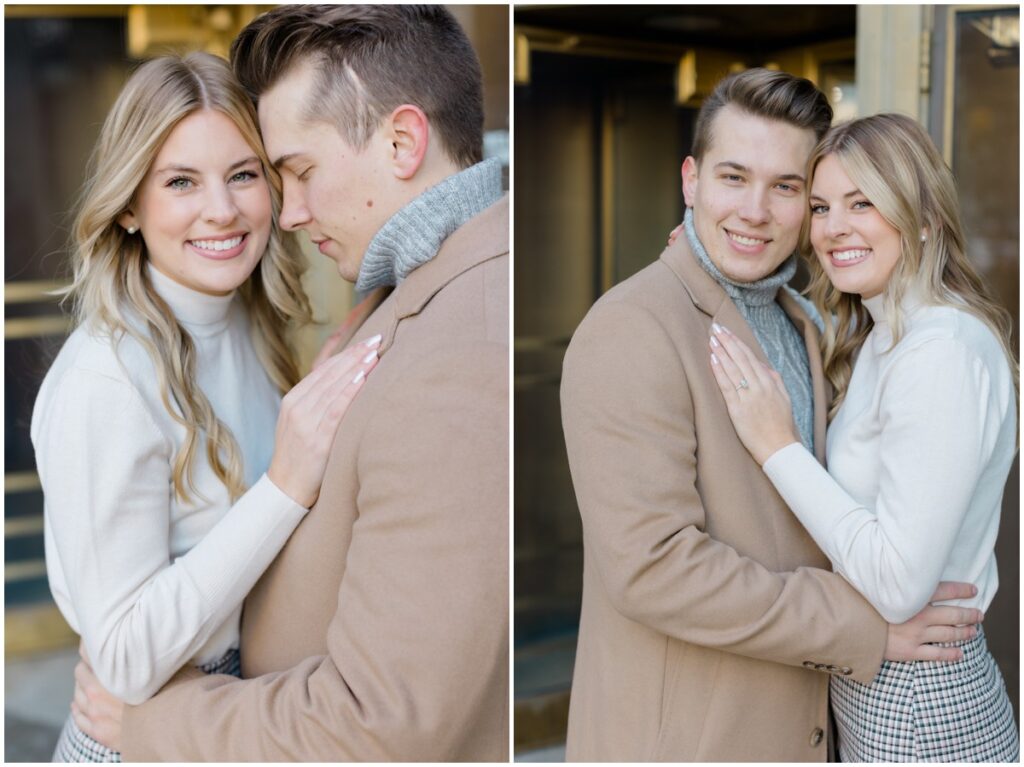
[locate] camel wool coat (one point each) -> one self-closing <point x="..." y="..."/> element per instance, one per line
<point x="710" y="620"/>
<point x="380" y="632"/>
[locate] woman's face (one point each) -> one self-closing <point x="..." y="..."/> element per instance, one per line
<point x="857" y="248"/>
<point x="203" y="208"/>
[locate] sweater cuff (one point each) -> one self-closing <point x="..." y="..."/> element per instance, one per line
<point x="275" y="496"/>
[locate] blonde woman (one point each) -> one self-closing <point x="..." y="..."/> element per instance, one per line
<point x="170" y="480"/>
<point x="921" y="438"/>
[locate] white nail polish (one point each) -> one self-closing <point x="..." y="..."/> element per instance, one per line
<point x="370" y="357"/>
<point x="714" y="342"/>
<point x="359" y="377"/>
<point x="714" y="359"/>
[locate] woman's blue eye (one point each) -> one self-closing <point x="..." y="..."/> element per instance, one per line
<point x="180" y="182"/>
<point x="818" y="209"/>
<point x="861" y="204"/>
<point x="244" y="175"/>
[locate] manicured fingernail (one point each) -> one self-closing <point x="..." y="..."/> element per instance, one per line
<point x="359" y="377"/>
<point x="370" y="357"/>
<point x="374" y="340"/>
<point x="714" y="342"/>
<point x="716" y="327"/>
<point x="714" y="359"/>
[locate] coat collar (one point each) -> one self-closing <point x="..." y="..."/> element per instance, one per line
<point x="709" y="297"/>
<point x="483" y="237"/>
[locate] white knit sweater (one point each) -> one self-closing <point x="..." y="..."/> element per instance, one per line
<point x="150" y="583"/>
<point x="918" y="457"/>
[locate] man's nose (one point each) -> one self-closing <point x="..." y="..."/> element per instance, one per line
<point x="294" y="213"/>
<point x="754" y="209"/>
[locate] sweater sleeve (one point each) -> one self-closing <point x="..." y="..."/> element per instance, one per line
<point x="105" y="470"/>
<point x="934" y="408"/>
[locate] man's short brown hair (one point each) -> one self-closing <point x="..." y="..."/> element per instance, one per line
<point x="370" y="60"/>
<point x="768" y="94"/>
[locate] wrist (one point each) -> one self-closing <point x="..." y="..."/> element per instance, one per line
<point x="274" y="474"/>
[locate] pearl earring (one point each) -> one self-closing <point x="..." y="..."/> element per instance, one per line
<point x="133" y="229"/>
<point x="924" y="237"/>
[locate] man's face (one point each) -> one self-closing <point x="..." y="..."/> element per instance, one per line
<point x="748" y="193"/>
<point x="339" y="195"/>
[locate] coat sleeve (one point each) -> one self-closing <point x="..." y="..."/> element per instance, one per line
<point x="418" y="647"/>
<point x="105" y="468"/>
<point x="629" y="427"/>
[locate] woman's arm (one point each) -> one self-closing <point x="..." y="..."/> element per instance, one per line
<point x="936" y="439"/>
<point x="105" y="468"/>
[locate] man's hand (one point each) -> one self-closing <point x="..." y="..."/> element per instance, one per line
<point x="935" y="623"/>
<point x="96" y="712"/>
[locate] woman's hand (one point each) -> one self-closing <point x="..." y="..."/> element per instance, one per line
<point x="755" y="395"/>
<point x="309" y="418"/>
<point x="674" y="234"/>
<point x="96" y="712"/>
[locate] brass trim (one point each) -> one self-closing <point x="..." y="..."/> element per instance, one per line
<point x="33" y="628"/>
<point x="21" y="526"/>
<point x="554" y="41"/>
<point x="35" y="327"/>
<point x="25" y="570"/>
<point x="30" y="291"/>
<point x="21" y="482"/>
<point x="521" y="60"/>
<point x="62" y="11"/>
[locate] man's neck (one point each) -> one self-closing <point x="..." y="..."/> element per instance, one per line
<point x="413" y="235"/>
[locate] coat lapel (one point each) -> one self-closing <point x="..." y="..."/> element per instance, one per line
<point x="712" y="300"/>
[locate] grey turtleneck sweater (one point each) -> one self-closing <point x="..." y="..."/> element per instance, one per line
<point x="779" y="338"/>
<point x="415" y="233"/>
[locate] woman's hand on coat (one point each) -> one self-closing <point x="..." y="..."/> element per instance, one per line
<point x="309" y="418"/>
<point x="756" y="398"/>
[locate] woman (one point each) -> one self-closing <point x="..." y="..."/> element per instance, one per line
<point x="922" y="431"/>
<point x="165" y="494"/>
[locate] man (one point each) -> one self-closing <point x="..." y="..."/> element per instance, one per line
<point x="381" y="630"/>
<point x="710" y="622"/>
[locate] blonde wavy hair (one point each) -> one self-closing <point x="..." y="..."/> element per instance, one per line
<point x="894" y="163"/>
<point x="111" y="288"/>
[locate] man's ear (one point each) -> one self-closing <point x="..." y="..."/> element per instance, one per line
<point x="410" y="134"/>
<point x="689" y="174"/>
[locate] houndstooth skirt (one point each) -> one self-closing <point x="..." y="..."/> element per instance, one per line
<point x="75" y="746"/>
<point x="928" y="712"/>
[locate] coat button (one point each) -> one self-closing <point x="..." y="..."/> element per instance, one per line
<point x="846" y="671"/>
<point x="816" y="736"/>
<point x="809" y="664"/>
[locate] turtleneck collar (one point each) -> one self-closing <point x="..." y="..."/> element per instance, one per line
<point x="190" y="306"/>
<point x="913" y="299"/>
<point x="414" y="234"/>
<point x="759" y="293"/>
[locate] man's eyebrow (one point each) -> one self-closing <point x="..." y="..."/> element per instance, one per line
<point x="186" y="169"/>
<point x="280" y="161"/>
<point x="732" y="165"/>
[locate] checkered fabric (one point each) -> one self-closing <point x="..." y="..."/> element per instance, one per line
<point x="75" y="746"/>
<point x="928" y="712"/>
